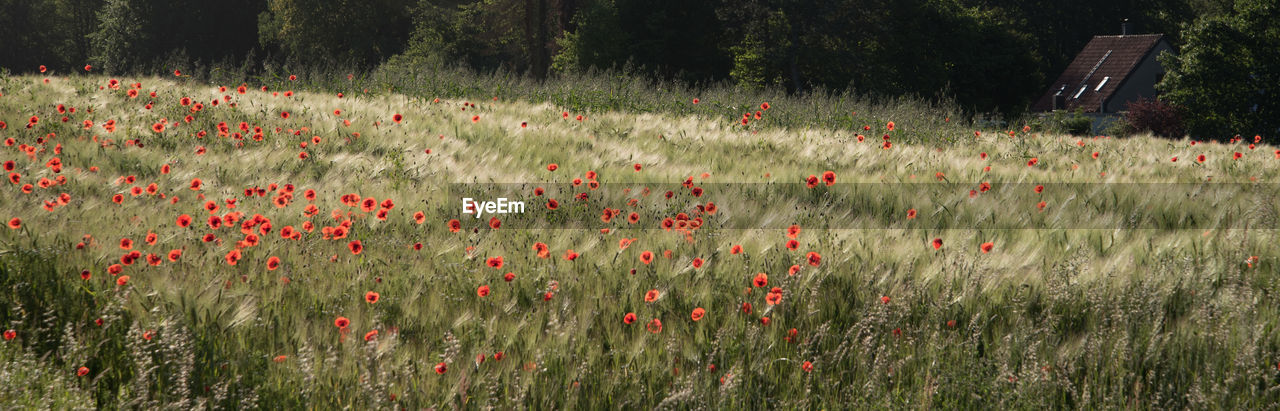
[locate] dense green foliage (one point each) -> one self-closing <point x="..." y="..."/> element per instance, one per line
<point x="1228" y="73"/>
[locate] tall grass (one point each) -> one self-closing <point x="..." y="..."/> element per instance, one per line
<point x="1101" y="300"/>
<point x="598" y="91"/>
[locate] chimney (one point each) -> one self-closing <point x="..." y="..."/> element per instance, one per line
<point x="1126" y="28"/>
<point x="1060" y="98"/>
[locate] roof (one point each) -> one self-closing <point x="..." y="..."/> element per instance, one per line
<point x="1098" y="71"/>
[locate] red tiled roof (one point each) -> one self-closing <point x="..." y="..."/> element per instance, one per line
<point x="1105" y="57"/>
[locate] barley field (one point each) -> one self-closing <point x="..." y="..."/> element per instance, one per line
<point x="177" y="243"/>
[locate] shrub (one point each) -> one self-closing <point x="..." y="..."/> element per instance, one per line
<point x="1159" y="118"/>
<point x="1062" y="121"/>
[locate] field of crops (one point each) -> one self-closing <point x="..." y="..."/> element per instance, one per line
<point x="173" y="243"/>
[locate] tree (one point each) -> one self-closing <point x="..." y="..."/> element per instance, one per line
<point x="1228" y="73"/>
<point x="931" y="48"/>
<point x="138" y="35"/>
<point x="121" y="42"/>
<point x="596" y="39"/>
<point x="46" y="32"/>
<point x="317" y="32"/>
<point x="667" y="38"/>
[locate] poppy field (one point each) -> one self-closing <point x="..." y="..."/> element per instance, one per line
<point x="174" y="243"/>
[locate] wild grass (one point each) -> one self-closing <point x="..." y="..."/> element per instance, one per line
<point x="1133" y="288"/>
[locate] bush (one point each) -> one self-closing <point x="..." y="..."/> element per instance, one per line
<point x="1062" y="121"/>
<point x="1159" y="118"/>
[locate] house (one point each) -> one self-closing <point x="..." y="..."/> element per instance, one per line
<point x="1109" y="73"/>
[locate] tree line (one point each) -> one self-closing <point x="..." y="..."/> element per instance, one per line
<point x="992" y="56"/>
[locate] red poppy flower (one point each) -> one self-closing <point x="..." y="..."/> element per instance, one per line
<point x="273" y="263"/>
<point x="82" y="371"/>
<point x="884" y="299"/>
<point x="629" y="318"/>
<point x="1200" y="158"/>
<point x="371" y="297"/>
<point x="654" y="326"/>
<point x="890" y="126"/>
<point x="773" y="298"/>
<point x="355" y="246"/>
<point x="814" y="258"/>
<point x="126" y="244"/>
<point x="122" y="280"/>
<point x="760" y="280"/>
<point x="570" y="255"/>
<point x="174" y="255"/>
<point x="483" y="291"/>
<point x="697" y="263"/>
<point x="937" y="243"/>
<point x="10" y="334"/>
<point x="1032" y="161"/>
<point x="397" y="118"/>
<point x="987" y="246"/>
<point x="232" y="257"/>
<point x="475" y="119"/>
<point x="85" y="275"/>
<point x="87" y="67"/>
<point x="651" y="296"/>
<point x="764" y="321"/>
<point x="807" y="366"/>
<point x="495" y="262"/>
<point x="369" y="336"/>
<point x="441" y="368"/>
<point x="15" y="223"/>
<point x="812" y="181"/>
<point x="829" y="177"/>
<point x="697" y="314"/>
<point x="911" y="214"/>
<point x="509" y="277"/>
<point x="341" y="323"/>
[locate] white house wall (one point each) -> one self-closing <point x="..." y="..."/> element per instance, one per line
<point x="1141" y="82"/>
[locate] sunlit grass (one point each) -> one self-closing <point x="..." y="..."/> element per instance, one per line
<point x="1105" y="298"/>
